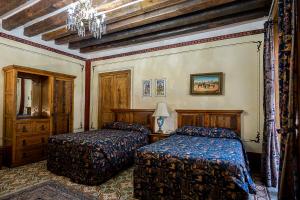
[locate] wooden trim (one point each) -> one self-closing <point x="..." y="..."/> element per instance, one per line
<point x="115" y="72"/>
<point x="141" y="116"/>
<point x="129" y="89"/>
<point x="211" y="118"/>
<point x="87" y="95"/>
<point x="13" y="141"/>
<point x="72" y="111"/>
<point x="51" y="100"/>
<point x="38" y="71"/>
<point x="297" y="48"/>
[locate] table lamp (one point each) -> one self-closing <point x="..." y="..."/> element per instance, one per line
<point x="161" y="113"/>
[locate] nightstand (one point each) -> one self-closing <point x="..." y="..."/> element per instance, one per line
<point x="154" y="137"/>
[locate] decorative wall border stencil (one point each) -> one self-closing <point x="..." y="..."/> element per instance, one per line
<point x="34" y="44"/>
<point x="182" y="44"/>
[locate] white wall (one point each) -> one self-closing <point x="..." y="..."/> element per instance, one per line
<point x="12" y="52"/>
<point x="237" y="58"/>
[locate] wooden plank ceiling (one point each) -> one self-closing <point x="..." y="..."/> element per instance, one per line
<point x="140" y="22"/>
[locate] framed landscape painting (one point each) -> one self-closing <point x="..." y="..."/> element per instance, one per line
<point x="206" y="84"/>
<point x="160" y="87"/>
<point x="147" y="88"/>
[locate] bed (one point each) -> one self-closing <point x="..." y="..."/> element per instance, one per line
<point x="203" y="159"/>
<point x="93" y="157"/>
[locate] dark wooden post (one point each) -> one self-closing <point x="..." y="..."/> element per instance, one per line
<point x="87" y="95"/>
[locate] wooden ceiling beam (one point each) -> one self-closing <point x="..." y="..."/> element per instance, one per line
<point x="197" y="17"/>
<point x="139" y="9"/>
<point x="37" y="10"/>
<point x="6" y="6"/>
<point x="123" y="13"/>
<point x="45" y="25"/>
<point x="57" y="33"/>
<point x="154" y="16"/>
<point x="223" y="21"/>
<point x="106" y="5"/>
<point x="165" y="13"/>
<point x="73" y="38"/>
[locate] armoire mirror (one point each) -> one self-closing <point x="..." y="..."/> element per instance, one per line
<point x="32" y="95"/>
<point x="24" y="96"/>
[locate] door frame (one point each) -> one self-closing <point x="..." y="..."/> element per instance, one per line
<point x="99" y="88"/>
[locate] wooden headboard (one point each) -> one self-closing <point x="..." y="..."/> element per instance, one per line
<point x="140" y="116"/>
<point x="230" y="119"/>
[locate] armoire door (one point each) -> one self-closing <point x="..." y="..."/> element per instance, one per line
<point x="63" y="106"/>
<point x="114" y="92"/>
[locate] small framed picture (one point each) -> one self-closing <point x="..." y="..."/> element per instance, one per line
<point x="160" y="87"/>
<point x="206" y="84"/>
<point x="147" y="88"/>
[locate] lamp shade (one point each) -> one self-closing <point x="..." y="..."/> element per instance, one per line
<point x="161" y="110"/>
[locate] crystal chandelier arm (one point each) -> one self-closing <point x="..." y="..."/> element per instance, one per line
<point x="82" y="14"/>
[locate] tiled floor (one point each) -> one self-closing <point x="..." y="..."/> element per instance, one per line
<point x="118" y="188"/>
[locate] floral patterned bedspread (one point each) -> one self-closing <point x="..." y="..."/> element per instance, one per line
<point x="194" y="163"/>
<point x="95" y="156"/>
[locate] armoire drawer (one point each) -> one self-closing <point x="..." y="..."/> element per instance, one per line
<point x="31" y="141"/>
<point x="24" y="128"/>
<point x="42" y="127"/>
<point x="30" y="155"/>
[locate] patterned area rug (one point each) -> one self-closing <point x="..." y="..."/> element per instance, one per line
<point x="119" y="187"/>
<point x="48" y="190"/>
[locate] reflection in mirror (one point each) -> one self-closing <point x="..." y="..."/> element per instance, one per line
<point x="24" y="96"/>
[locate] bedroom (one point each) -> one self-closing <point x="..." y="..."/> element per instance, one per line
<point x="218" y="66"/>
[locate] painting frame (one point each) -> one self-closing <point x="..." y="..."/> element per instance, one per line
<point x="218" y="76"/>
<point x="162" y="83"/>
<point x="147" y="84"/>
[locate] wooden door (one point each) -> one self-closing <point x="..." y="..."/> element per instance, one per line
<point x="63" y="106"/>
<point x="114" y="92"/>
<point x="122" y="90"/>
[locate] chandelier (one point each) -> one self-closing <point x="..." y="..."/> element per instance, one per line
<point x="82" y="15"/>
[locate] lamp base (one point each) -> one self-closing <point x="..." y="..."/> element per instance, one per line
<point x="160" y="123"/>
<point x="159" y="132"/>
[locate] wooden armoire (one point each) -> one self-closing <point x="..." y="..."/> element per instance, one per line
<point x="37" y="104"/>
